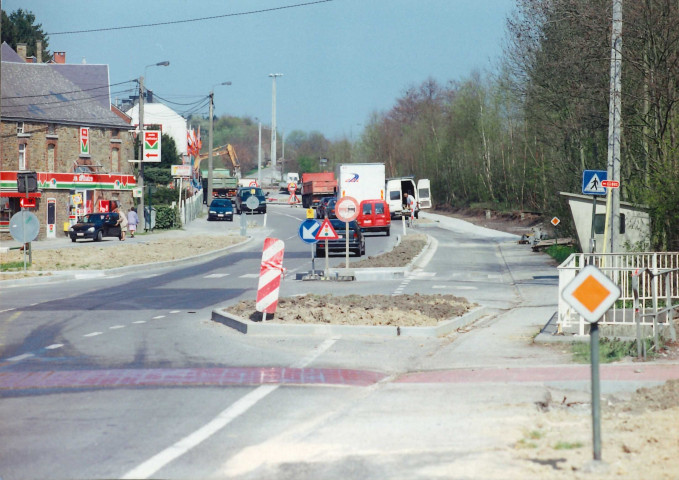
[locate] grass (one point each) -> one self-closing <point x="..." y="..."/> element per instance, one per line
<point x="561" y="445"/>
<point x="10" y="266"/>
<point x="560" y="252"/>
<point x="610" y="350"/>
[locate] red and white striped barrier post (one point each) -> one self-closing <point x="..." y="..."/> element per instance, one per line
<point x="270" y="276"/>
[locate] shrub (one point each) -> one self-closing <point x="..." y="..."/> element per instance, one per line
<point x="167" y="218"/>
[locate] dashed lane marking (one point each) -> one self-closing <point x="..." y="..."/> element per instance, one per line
<point x="93" y="334"/>
<point x="116" y="327"/>
<point x="140" y="321"/>
<point x="216" y="275"/>
<point x="19" y="358"/>
<point x="157" y="317"/>
<point x="54" y="346"/>
<point x="250" y="275"/>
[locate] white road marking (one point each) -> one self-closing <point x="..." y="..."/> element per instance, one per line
<point x="8" y="310"/>
<point x="175" y="311"/>
<point x="54" y="346"/>
<point x="159" y="316"/>
<point x="158" y="461"/>
<point x="116" y="327"/>
<point x="83" y="276"/>
<point x="18" y="358"/>
<point x="93" y="334"/>
<point x="495" y="276"/>
<point x="250" y="275"/>
<point x="216" y="275"/>
<point x="151" y="276"/>
<point x="140" y="321"/>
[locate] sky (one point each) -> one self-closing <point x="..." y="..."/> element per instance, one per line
<point x="341" y="60"/>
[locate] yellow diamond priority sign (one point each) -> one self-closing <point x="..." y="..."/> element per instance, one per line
<point x="591" y="293"/>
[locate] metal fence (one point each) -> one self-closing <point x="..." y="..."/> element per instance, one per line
<point x="656" y="279"/>
<point x="190" y="208"/>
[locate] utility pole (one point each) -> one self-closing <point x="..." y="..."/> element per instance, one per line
<point x="259" y="157"/>
<point x="140" y="179"/>
<point x="273" y="120"/>
<point x="209" y="151"/>
<point x="615" y="122"/>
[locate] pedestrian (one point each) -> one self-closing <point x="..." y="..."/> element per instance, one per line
<point x="412" y="206"/>
<point x="122" y="222"/>
<point x="132" y="220"/>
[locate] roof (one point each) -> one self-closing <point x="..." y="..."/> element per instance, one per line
<point x="9" y="55"/>
<point x="92" y="79"/>
<point x="38" y="92"/>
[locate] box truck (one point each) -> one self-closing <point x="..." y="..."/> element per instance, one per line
<point x="363" y="181"/>
<point x="316" y="186"/>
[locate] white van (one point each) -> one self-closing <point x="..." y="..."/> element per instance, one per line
<point x="396" y="188"/>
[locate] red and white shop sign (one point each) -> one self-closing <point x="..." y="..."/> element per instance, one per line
<point x="84" y="140"/>
<point x="270" y="275"/>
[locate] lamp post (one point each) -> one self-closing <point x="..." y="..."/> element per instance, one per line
<point x="140" y="179"/>
<point x="209" y="153"/>
<point x="273" y="119"/>
<point x="259" y="155"/>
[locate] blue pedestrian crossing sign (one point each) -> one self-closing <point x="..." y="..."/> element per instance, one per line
<point x="591" y="182"/>
<point x="308" y="230"/>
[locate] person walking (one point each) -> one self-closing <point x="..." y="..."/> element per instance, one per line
<point x="412" y="207"/>
<point x="122" y="222"/>
<point x="132" y="220"/>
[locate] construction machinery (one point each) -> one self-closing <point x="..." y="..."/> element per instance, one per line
<point x="223" y="151"/>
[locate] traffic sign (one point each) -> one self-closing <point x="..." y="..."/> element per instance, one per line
<point x="346" y="209"/>
<point x="310" y="213"/>
<point x="24" y="226"/>
<point x="592" y="182"/>
<point x="555" y="221"/>
<point x="326" y="232"/>
<point x="308" y="229"/>
<point x="610" y="184"/>
<point x="591" y="293"/>
<point x="253" y="183"/>
<point x="292" y="187"/>
<point x="151" y="150"/>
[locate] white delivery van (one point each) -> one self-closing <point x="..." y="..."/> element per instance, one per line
<point x="396" y="188"/>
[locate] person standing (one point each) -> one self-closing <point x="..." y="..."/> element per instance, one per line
<point x="412" y="206"/>
<point x="132" y="220"/>
<point x="122" y="222"/>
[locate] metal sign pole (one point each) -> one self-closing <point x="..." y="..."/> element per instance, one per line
<point x="596" y="396"/>
<point x="346" y="234"/>
<point x="327" y="260"/>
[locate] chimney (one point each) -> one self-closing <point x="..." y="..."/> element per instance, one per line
<point x="21" y="50"/>
<point x="38" y="51"/>
<point x="59" y="57"/>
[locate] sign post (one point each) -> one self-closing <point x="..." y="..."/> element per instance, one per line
<point x="307" y="232"/>
<point x="592" y="184"/>
<point x="326" y="232"/>
<point x="591" y="294"/>
<point x="346" y="210"/>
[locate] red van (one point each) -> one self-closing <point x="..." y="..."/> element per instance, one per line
<point x="374" y="216"/>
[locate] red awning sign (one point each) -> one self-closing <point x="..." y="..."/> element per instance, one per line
<point x="610" y="183"/>
<point x="17" y="194"/>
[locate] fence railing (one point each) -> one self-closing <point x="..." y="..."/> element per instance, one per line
<point x="620" y="268"/>
<point x="190" y="208"/>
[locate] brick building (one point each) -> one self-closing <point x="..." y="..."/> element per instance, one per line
<point x="66" y="133"/>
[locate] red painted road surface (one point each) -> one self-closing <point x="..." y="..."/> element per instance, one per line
<point x="209" y="377"/>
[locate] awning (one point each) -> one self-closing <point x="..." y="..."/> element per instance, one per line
<point x="23" y="195"/>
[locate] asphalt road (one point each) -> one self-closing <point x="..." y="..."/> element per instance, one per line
<point x="127" y="377"/>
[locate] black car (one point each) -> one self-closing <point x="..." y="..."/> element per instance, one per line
<point x="242" y="197"/>
<point x="220" y="209"/>
<point x="96" y="226"/>
<point x="356" y="240"/>
<point x="326" y="209"/>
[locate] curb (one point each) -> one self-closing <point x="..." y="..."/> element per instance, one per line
<point x="53" y="276"/>
<point x="248" y="327"/>
<point x="390" y="273"/>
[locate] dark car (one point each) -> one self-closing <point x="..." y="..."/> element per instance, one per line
<point x="321" y="206"/>
<point x="356" y="240"/>
<point x="96" y="226"/>
<point x="327" y="209"/>
<point x="242" y="197"/>
<point x="220" y="209"/>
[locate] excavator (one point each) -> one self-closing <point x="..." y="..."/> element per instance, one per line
<point x="225" y="150"/>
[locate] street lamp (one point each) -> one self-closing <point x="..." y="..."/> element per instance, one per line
<point x="209" y="154"/>
<point x="273" y="120"/>
<point x="140" y="180"/>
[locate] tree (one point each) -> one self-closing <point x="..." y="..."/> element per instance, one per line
<point x="20" y="27"/>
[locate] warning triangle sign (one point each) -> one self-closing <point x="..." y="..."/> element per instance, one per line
<point x="326" y="232"/>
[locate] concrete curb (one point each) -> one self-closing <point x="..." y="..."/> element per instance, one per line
<point x="249" y="327"/>
<point x="61" y="275"/>
<point x="390" y="273"/>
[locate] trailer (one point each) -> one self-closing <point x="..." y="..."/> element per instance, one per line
<point x="316" y="186"/>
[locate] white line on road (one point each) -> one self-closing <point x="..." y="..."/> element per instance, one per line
<point x="18" y="358"/>
<point x="116" y="327"/>
<point x="8" y="310"/>
<point x="158" y="461"/>
<point x="216" y="275"/>
<point x="140" y="321"/>
<point x="159" y="316"/>
<point x="250" y="275"/>
<point x="175" y="311"/>
<point x="54" y="346"/>
<point x="93" y="334"/>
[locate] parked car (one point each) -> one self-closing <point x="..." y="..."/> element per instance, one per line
<point x="242" y="197"/>
<point x="220" y="209"/>
<point x="356" y="240"/>
<point x="374" y="216"/>
<point x="96" y="226"/>
<point x="327" y="209"/>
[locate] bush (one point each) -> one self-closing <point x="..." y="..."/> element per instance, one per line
<point x="560" y="252"/>
<point x="167" y="218"/>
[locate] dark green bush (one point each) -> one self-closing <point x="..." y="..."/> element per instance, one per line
<point x="167" y="218"/>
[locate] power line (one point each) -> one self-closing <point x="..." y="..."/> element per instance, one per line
<point x="240" y="14"/>
<point x="70" y="91"/>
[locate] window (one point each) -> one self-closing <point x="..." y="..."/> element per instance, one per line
<point x="367" y="208"/>
<point x="379" y="208"/>
<point x="22" y="156"/>
<point x="394" y="195"/>
<point x="115" y="160"/>
<point x="600" y="223"/>
<point x="20" y="128"/>
<point x="50" y="157"/>
<point x="51" y="129"/>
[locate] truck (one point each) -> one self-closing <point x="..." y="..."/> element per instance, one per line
<point x="224" y="185"/>
<point x="396" y="188"/>
<point x="290" y="177"/>
<point x="362" y="181"/>
<point x="316" y="186"/>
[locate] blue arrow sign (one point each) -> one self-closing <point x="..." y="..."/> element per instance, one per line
<point x="591" y="182"/>
<point x="308" y="229"/>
